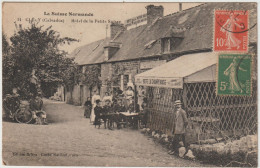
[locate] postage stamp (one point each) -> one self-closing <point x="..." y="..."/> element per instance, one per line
<point x="231" y="30"/>
<point x="234" y="74"/>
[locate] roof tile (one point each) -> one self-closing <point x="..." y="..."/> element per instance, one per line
<point x="198" y="34"/>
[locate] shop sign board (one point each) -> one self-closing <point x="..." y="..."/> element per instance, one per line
<point x="159" y="82"/>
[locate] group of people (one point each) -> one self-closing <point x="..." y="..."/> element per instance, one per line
<point x="36" y="108"/>
<point x="108" y="109"/>
<point x="12" y="103"/>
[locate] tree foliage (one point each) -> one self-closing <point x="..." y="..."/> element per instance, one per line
<point x="6" y="63"/>
<point x="36" y="48"/>
<point x="91" y="76"/>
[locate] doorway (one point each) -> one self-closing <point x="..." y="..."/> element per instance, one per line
<point x="81" y="94"/>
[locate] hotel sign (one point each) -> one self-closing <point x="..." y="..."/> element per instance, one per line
<point x="136" y="20"/>
<point x="159" y="82"/>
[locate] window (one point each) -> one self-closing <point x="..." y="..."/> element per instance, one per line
<point x="169" y="43"/>
<point x="125" y="81"/>
<point x="166" y="45"/>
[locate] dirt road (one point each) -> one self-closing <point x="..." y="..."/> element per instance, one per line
<point x="70" y="140"/>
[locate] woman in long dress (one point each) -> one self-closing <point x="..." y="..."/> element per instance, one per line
<point x="94" y="99"/>
<point x="129" y="95"/>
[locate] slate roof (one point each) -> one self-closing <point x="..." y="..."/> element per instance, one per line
<point x="92" y="53"/>
<point x="196" y="22"/>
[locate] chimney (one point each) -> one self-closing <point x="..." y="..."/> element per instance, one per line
<point x="180" y="6"/>
<point x="115" y="28"/>
<point x="153" y="12"/>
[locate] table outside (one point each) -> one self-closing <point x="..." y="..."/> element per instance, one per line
<point x="111" y="117"/>
<point x="129" y="118"/>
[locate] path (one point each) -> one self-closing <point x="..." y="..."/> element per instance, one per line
<point x="70" y="140"/>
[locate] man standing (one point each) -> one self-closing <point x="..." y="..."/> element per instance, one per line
<point x="181" y="123"/>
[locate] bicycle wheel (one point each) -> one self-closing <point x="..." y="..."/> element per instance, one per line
<point x="23" y="116"/>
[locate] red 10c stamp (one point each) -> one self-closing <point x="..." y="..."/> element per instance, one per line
<point x="231" y="30"/>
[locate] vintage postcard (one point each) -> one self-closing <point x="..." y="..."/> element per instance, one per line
<point x="129" y="84"/>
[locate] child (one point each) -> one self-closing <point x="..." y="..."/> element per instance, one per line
<point x="98" y="112"/>
<point x="106" y="110"/>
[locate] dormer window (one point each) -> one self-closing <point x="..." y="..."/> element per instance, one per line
<point x="111" y="49"/>
<point x="166" y="44"/>
<point x="172" y="38"/>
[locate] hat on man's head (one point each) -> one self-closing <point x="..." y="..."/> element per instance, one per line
<point x="177" y="102"/>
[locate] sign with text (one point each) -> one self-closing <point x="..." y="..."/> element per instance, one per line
<point x="159" y="82"/>
<point x="151" y="64"/>
<point x="136" y="20"/>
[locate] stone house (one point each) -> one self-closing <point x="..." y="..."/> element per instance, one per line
<point x="164" y="38"/>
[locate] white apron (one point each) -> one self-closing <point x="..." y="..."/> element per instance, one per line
<point x="92" y="115"/>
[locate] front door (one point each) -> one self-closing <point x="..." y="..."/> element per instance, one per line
<point x="81" y="94"/>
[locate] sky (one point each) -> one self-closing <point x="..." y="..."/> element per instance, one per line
<point x="23" y="13"/>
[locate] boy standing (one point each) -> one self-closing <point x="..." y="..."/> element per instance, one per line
<point x="98" y="112"/>
<point x="106" y="110"/>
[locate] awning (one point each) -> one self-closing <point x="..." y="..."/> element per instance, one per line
<point x="191" y="68"/>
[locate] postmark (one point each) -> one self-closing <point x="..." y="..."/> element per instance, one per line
<point x="234" y="74"/>
<point x="231" y="30"/>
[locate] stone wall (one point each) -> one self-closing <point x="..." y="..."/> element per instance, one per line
<point x="75" y="97"/>
<point x="110" y="70"/>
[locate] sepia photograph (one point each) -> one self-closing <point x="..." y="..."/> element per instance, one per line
<point x="129" y="84"/>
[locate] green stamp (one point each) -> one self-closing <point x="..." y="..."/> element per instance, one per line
<point x="234" y="74"/>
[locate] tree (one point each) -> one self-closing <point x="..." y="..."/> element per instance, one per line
<point x="7" y="65"/>
<point x="91" y="76"/>
<point x="36" y="48"/>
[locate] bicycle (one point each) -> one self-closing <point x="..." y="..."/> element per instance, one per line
<point x="17" y="110"/>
